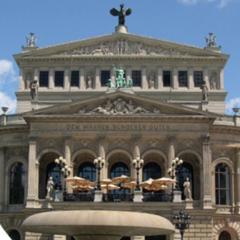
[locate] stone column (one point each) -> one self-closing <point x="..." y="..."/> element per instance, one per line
<point x="190" y="78"/>
<point x="51" y="78"/>
<point x="21" y="81"/>
<point x="82" y="79"/>
<point x="206" y="173"/>
<point x="206" y="77"/>
<point x="68" y="155"/>
<point x="101" y="153"/>
<point x="144" y="78"/>
<point x="97" y="79"/>
<point x="171" y="151"/>
<point x="221" y="83"/>
<point x="67" y="79"/>
<point x="238" y="180"/>
<point x="175" y="78"/>
<point x="32" y="192"/>
<point x="2" y="179"/>
<point x="160" y="78"/>
<point x="36" y="75"/>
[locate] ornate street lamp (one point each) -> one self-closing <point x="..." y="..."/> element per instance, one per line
<point x="99" y="163"/>
<point x="138" y="164"/>
<point x="172" y="171"/>
<point x="181" y="222"/>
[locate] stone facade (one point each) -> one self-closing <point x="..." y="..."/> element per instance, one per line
<point x="151" y="121"/>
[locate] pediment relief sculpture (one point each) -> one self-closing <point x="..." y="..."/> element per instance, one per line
<point x="119" y="106"/>
<point x="124" y="47"/>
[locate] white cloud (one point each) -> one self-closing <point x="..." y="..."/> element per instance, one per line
<point x="219" y="3"/>
<point x="234" y="102"/>
<point x="6" y="101"/>
<point x="7" y="73"/>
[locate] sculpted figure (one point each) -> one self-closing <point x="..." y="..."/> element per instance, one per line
<point x="50" y="189"/>
<point x="213" y="81"/>
<point x="204" y="92"/>
<point x="31" y="40"/>
<point x="122" y="13"/>
<point x="33" y="89"/>
<point x="89" y="82"/>
<point x="187" y="189"/>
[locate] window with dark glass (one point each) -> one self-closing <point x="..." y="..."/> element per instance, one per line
<point x="14" y="235"/>
<point x="157" y="237"/>
<point x="198" y="78"/>
<point x="54" y="171"/>
<point x="17" y="182"/>
<point x="185" y="171"/>
<point x="151" y="170"/>
<point x="75" y="79"/>
<point x="167" y="78"/>
<point x="183" y="78"/>
<point x="43" y="78"/>
<point x="105" y="76"/>
<point x="224" y="236"/>
<point x="222" y="184"/>
<point x="59" y="79"/>
<point x="87" y="170"/>
<point x="119" y="169"/>
<point x="137" y="78"/>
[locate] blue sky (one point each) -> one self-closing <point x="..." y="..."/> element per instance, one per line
<point x="54" y="21"/>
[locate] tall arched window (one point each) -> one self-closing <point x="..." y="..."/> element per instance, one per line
<point x="119" y="169"/>
<point x="224" y="236"/>
<point x="222" y="184"/>
<point x="54" y="171"/>
<point x="14" y="235"/>
<point x="17" y="182"/>
<point x="87" y="170"/>
<point x="151" y="170"/>
<point x="185" y="171"/>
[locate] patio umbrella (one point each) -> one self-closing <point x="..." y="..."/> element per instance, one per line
<point x="79" y="181"/>
<point x="146" y="183"/>
<point x="130" y="185"/>
<point x="3" y="234"/>
<point x="120" y="179"/>
<point x="109" y="187"/>
<point x="82" y="188"/>
<point x="106" y="181"/>
<point x="164" y="181"/>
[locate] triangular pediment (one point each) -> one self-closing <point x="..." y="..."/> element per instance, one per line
<point x="120" y="45"/>
<point x="118" y="104"/>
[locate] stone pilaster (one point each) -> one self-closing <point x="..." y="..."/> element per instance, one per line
<point x="206" y="77"/>
<point x="144" y="78"/>
<point x="51" y="78"/>
<point x="160" y="78"/>
<point x="175" y="78"/>
<point x="66" y="79"/>
<point x="190" y="78"/>
<point x="238" y="180"/>
<point x="82" y="79"/>
<point x="2" y="179"/>
<point x="206" y="173"/>
<point x="97" y="79"/>
<point x="21" y="81"/>
<point x="102" y="153"/>
<point x="68" y="155"/>
<point x="32" y="192"/>
<point x="171" y="151"/>
<point x="36" y="75"/>
<point x="221" y="83"/>
<point x="128" y="73"/>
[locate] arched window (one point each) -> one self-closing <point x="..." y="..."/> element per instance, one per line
<point x="119" y="169"/>
<point x="185" y="171"/>
<point x="14" y="235"/>
<point x="224" y="236"/>
<point x="87" y="170"/>
<point x="222" y="184"/>
<point x="17" y="182"/>
<point x="54" y="171"/>
<point x="151" y="170"/>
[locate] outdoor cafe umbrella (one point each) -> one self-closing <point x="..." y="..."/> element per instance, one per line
<point x="75" y="181"/>
<point x="120" y="179"/>
<point x="130" y="185"/>
<point x="82" y="188"/>
<point x="164" y="181"/>
<point x="146" y="183"/>
<point x="3" y="234"/>
<point x="109" y="187"/>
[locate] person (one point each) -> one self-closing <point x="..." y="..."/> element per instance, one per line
<point x="187" y="189"/>
<point x="33" y="89"/>
<point x="50" y="189"/>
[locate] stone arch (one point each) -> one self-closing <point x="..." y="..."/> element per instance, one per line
<point x="46" y="151"/>
<point x="233" y="228"/>
<point x="78" y="152"/>
<point x="158" y="157"/>
<point x="193" y="160"/>
<point x="229" y="163"/>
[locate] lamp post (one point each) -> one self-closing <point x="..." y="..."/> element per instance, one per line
<point x="172" y="171"/>
<point x="181" y="222"/>
<point x="99" y="163"/>
<point x="138" y="164"/>
<point x="65" y="169"/>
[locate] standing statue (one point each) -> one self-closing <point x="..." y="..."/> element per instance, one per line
<point x="31" y="40"/>
<point x="204" y="92"/>
<point x="187" y="189"/>
<point x="122" y="13"/>
<point x="50" y="189"/>
<point x="33" y="89"/>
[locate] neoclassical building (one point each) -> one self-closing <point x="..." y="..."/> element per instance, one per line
<point x="174" y="108"/>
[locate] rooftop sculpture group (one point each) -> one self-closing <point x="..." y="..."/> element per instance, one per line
<point x="120" y="80"/>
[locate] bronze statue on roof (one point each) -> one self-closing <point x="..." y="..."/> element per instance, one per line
<point x="122" y="13"/>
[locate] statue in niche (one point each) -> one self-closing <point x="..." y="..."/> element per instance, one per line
<point x="213" y="81"/>
<point x="89" y="81"/>
<point x="204" y="92"/>
<point x="33" y="89"/>
<point x="151" y="80"/>
<point x="122" y="13"/>
<point x="50" y="189"/>
<point x="187" y="189"/>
